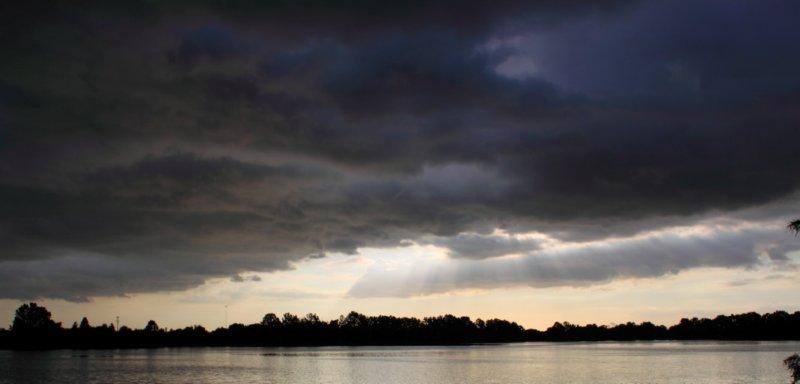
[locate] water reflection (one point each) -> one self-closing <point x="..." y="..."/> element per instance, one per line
<point x="640" y="362"/>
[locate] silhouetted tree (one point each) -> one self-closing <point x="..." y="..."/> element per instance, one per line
<point x="311" y="318"/>
<point x="31" y="317"/>
<point x="353" y="320"/>
<point x="290" y="320"/>
<point x="33" y="328"/>
<point x="793" y="364"/>
<point x="271" y="320"/>
<point x="151" y="326"/>
<point x="794" y="226"/>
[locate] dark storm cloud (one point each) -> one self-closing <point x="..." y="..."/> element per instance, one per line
<point x="211" y="139"/>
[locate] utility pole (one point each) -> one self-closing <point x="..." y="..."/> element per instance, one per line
<point x="226" y="315"/>
<point x="117" y="323"/>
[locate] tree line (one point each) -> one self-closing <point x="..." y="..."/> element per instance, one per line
<point x="33" y="328"/>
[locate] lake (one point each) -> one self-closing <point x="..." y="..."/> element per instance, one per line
<point x="606" y="362"/>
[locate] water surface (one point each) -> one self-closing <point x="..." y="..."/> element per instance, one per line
<point x="618" y="363"/>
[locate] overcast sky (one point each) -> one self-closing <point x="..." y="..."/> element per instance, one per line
<point x="582" y="161"/>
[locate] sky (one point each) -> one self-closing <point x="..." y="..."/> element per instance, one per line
<point x="208" y="162"/>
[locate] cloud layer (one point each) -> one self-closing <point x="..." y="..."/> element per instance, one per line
<point x="148" y="147"/>
<point x="654" y="254"/>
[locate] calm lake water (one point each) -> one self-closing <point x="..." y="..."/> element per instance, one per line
<point x="618" y="363"/>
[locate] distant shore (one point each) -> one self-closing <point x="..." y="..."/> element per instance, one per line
<point x="33" y="328"/>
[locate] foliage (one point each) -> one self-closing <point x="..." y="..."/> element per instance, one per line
<point x="359" y="329"/>
<point x="794" y="226"/>
<point x="151" y="326"/>
<point x="793" y="364"/>
<point x="31" y="317"/>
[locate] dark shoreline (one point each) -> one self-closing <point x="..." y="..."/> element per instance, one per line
<point x="33" y="329"/>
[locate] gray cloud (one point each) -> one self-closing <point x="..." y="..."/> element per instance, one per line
<point x="653" y="255"/>
<point x="241" y="279"/>
<point x="477" y="246"/>
<point x="213" y="139"/>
